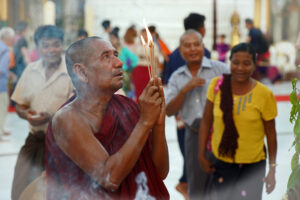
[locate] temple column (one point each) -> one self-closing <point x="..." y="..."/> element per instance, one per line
<point x="257" y="13"/>
<point x="268" y="16"/>
<point x="3" y="13"/>
<point x="49" y="13"/>
<point x="214" y="24"/>
<point x="21" y="10"/>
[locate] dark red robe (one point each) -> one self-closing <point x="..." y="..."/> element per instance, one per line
<point x="65" y="180"/>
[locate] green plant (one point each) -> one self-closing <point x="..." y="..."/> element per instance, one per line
<point x="294" y="179"/>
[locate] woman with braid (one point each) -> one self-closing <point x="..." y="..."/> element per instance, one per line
<point x="242" y="112"/>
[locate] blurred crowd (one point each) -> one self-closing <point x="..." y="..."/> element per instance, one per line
<point x="131" y="52"/>
<point x="22" y="66"/>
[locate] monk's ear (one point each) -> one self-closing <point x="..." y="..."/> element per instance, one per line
<point x="79" y="71"/>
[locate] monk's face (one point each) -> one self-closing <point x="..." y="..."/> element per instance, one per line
<point x="104" y="69"/>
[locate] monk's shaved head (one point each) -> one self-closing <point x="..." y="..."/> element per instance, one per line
<point x="79" y="52"/>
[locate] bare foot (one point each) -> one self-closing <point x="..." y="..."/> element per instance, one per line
<point x="182" y="188"/>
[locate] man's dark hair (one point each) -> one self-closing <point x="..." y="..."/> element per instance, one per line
<point x="77" y="53"/>
<point x="21" y="26"/>
<point x="105" y="24"/>
<point x="194" y="21"/>
<point x="152" y="29"/>
<point x="115" y="32"/>
<point x="48" y="31"/>
<point x="82" y="32"/>
<point x="249" y="21"/>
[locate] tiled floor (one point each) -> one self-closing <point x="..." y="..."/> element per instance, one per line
<point x="18" y="127"/>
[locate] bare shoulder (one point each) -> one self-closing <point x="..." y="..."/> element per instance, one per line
<point x="67" y="121"/>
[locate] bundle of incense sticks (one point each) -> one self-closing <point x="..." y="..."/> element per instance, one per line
<point x="146" y="53"/>
<point x="151" y="61"/>
<point x="150" y="56"/>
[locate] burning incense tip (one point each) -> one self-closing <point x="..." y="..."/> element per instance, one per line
<point x="151" y="49"/>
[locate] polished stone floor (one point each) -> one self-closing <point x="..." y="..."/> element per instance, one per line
<point x="19" y="129"/>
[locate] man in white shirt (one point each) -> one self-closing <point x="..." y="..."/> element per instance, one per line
<point x="43" y="87"/>
<point x="186" y="94"/>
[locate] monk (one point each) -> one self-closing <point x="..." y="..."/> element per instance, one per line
<point x="100" y="145"/>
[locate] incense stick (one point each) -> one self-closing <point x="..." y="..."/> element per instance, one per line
<point x="147" y="57"/>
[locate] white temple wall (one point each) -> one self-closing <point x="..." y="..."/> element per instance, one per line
<point x="168" y="16"/>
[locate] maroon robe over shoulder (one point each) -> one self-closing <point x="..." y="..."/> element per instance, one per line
<point x="65" y="180"/>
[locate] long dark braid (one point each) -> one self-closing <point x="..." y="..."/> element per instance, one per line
<point x="228" y="143"/>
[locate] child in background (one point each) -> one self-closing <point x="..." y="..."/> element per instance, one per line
<point x="222" y="48"/>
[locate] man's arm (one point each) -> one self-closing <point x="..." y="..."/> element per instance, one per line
<point x="160" y="154"/>
<point x="4" y="62"/>
<point x="79" y="143"/>
<point x="248" y="39"/>
<point x="34" y="118"/>
<point x="176" y="103"/>
<point x="250" y="33"/>
<point x="25" y="55"/>
<point x="22" y="110"/>
<point x="206" y="124"/>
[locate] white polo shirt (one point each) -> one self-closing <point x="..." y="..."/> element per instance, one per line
<point x="43" y="95"/>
